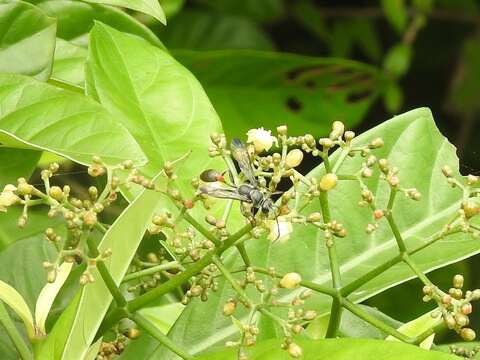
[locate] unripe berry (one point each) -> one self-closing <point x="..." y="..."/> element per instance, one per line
<point x="328" y="182"/>
<point x="290" y="280"/>
<point x="294" y="350"/>
<point x="294" y="158"/>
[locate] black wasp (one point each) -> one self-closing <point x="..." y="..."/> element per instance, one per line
<point x="247" y="192"/>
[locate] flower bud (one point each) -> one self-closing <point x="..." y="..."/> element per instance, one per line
<point x="314" y="217"/>
<point x="56" y="193"/>
<point x="447" y="171"/>
<point x="326" y="143"/>
<point x="310" y="315"/>
<point x="229" y="308"/>
<point x="133" y="333"/>
<point x="470" y="208"/>
<point x="349" y="135"/>
<point x="282" y="130"/>
<point x="294" y="158"/>
<point x="328" y="182"/>
<point x="472" y="179"/>
<point x="23" y="187"/>
<point x="458" y="281"/>
<point x="95" y="170"/>
<point x="338" y="129"/>
<point x="290" y="280"/>
<point x="90" y="218"/>
<point x="376" y="143"/>
<point x="466" y="309"/>
<point x="461" y="319"/>
<point x="127" y="164"/>
<point x="294" y="350"/>
<point x="467" y="334"/>
<point x="378" y="214"/>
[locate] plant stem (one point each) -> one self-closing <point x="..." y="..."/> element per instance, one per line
<point x="171" y="284"/>
<point x="14" y="334"/>
<point x="201" y="229"/>
<point x="396" y="233"/>
<point x="235" y="285"/>
<point x="105" y="274"/>
<point x="151" y="270"/>
<point x="357" y="310"/>
<point x="407" y="260"/>
<point x="336" y="310"/>
<point x="243" y="253"/>
<point x="161" y="337"/>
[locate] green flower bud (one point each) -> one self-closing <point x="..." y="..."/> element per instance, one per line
<point x="290" y="280"/>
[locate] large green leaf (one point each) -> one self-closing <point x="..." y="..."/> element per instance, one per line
<point x="75" y="19"/>
<point x="251" y="89"/>
<point x="69" y="63"/>
<point x="22" y="266"/>
<point x="155" y="97"/>
<point x="74" y="332"/>
<point x="149" y="7"/>
<point x="202" y="30"/>
<point x="76" y="127"/>
<point x="15" y="163"/>
<point x="27" y="40"/>
<point x="419" y="158"/>
<point x="338" y="349"/>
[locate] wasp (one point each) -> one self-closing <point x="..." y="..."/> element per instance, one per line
<point x="250" y="192"/>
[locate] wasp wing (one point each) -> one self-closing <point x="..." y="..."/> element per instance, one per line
<point x="240" y="154"/>
<point x="222" y="193"/>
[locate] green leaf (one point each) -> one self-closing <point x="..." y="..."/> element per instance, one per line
<point x="22" y="265"/>
<point x="75" y="330"/>
<point x="76" y="127"/>
<point x="156" y="98"/>
<point x="396" y="13"/>
<point x="352" y="326"/>
<point x="149" y="7"/>
<point x="15" y="163"/>
<point x="12" y="298"/>
<point x="418" y="326"/>
<point x="397" y="60"/>
<point x="419" y="159"/>
<point x="48" y="294"/>
<point x="201" y="30"/>
<point x="69" y="63"/>
<point x="338" y="349"/>
<point x="27" y="40"/>
<point x="251" y="89"/>
<point x="392" y="97"/>
<point x="172" y="7"/>
<point x="76" y="18"/>
<point x="266" y="10"/>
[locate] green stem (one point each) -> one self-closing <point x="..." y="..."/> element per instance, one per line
<point x="235" y="285"/>
<point x="354" y="285"/>
<point x="161" y="337"/>
<point x="14" y="334"/>
<point x="340" y="160"/>
<point x="151" y="270"/>
<point x="170" y="285"/>
<point x="335" y="318"/>
<point x="407" y="260"/>
<point x="243" y="253"/>
<point x="347" y="177"/>
<point x="105" y="274"/>
<point x="357" y="310"/>
<point x="336" y="310"/>
<point x="396" y="233"/>
<point x="201" y="229"/>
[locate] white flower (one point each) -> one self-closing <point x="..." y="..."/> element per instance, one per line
<point x="8" y="197"/>
<point x="280" y="229"/>
<point x="261" y="139"/>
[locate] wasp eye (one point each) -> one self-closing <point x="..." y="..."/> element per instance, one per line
<point x="211" y="175"/>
